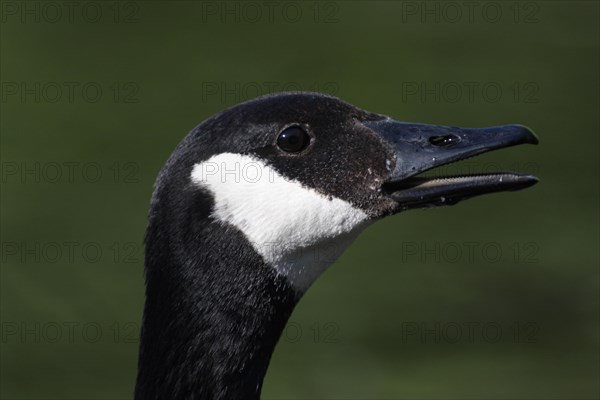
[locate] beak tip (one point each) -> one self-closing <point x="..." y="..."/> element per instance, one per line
<point x="529" y="135"/>
<point x="529" y="180"/>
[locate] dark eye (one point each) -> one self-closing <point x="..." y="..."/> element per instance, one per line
<point x="293" y="139"/>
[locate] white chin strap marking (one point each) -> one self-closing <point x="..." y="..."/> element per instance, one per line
<point x="296" y="230"/>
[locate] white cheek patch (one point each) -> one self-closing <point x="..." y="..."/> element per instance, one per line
<point x="297" y="230"/>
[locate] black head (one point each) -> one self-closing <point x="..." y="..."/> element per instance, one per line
<point x="341" y="151"/>
<point x="294" y="172"/>
<point x="335" y="153"/>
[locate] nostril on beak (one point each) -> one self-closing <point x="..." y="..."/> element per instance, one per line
<point x="444" y="141"/>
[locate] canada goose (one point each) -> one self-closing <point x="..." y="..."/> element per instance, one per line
<point x="247" y="198"/>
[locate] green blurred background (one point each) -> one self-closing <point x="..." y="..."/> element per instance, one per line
<point x="493" y="298"/>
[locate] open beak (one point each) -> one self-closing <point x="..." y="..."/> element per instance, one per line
<point x="421" y="147"/>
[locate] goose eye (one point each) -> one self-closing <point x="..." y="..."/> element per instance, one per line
<point x="293" y="139"/>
